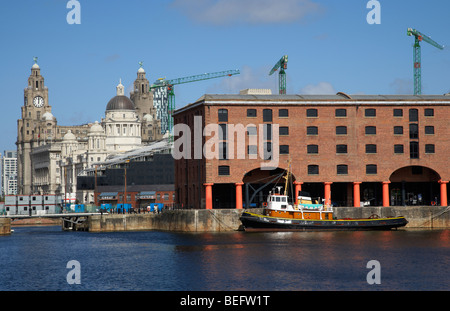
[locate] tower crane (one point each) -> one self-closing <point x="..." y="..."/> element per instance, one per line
<point x="282" y="65"/>
<point x="417" y="56"/>
<point x="169" y="85"/>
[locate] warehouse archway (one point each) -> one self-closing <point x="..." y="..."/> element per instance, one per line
<point x="414" y="185"/>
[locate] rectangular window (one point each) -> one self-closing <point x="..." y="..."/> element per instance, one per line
<point x="251" y="113"/>
<point x="398" y="112"/>
<point x="370" y="112"/>
<point x="414" y="150"/>
<point x="312" y="149"/>
<point x="398" y="149"/>
<point x="429" y="130"/>
<point x="267" y="131"/>
<point x="312" y="130"/>
<point x="284" y="149"/>
<point x="340" y="113"/>
<point x="283" y="113"/>
<point x="371" y="130"/>
<point x="398" y="130"/>
<point x="342" y="169"/>
<point x="341" y="130"/>
<point x="284" y="130"/>
<point x="251" y="131"/>
<point x="371" y="169"/>
<point x="429" y="148"/>
<point x="371" y="148"/>
<point x="413" y="131"/>
<point x="341" y="148"/>
<point x="311" y="113"/>
<point x="313" y="169"/>
<point x="223" y="132"/>
<point x="267" y="115"/>
<point x="252" y="149"/>
<point x="429" y="112"/>
<point x="223" y="153"/>
<point x="223" y="115"/>
<point x="224" y="170"/>
<point x="413" y="115"/>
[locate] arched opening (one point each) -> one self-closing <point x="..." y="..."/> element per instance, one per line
<point x="414" y="185"/>
<point x="258" y="183"/>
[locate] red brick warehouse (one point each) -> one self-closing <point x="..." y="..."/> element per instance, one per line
<point x="351" y="150"/>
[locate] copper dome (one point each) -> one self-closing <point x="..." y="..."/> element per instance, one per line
<point x="120" y="102"/>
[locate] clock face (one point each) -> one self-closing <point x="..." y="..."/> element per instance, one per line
<point x="38" y="102"/>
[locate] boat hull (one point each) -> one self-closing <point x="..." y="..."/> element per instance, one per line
<point x="258" y="222"/>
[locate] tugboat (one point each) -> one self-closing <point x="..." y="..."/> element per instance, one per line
<point x="309" y="214"/>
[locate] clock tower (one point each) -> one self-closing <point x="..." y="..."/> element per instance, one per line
<point x="31" y="126"/>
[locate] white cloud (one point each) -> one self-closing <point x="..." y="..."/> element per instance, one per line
<point x="322" y="88"/>
<point x="221" y="12"/>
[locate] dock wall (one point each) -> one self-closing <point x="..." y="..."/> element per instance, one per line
<point x="223" y="220"/>
<point x="5" y="226"/>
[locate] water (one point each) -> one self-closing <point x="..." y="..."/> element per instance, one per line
<point x="35" y="258"/>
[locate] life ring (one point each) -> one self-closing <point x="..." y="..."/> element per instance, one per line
<point x="264" y="203"/>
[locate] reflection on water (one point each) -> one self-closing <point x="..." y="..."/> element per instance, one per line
<point x="35" y="258"/>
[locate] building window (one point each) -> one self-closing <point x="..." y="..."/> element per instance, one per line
<point x="223" y="115"/>
<point x="251" y="113"/>
<point x="224" y="170"/>
<point x="341" y="130"/>
<point x="340" y="113"/>
<point x="429" y="148"/>
<point x="371" y="148"/>
<point x="283" y="113"/>
<point x="267" y="151"/>
<point x="223" y="132"/>
<point x="398" y="130"/>
<point x="429" y="112"/>
<point x="413" y="115"/>
<point x="429" y="130"/>
<point x="166" y="196"/>
<point x="341" y="148"/>
<point x="413" y="131"/>
<point x="284" y="149"/>
<point x="371" y="130"/>
<point x="311" y="113"/>
<point x="398" y="149"/>
<point x="398" y="112"/>
<point x="223" y="154"/>
<point x="267" y="115"/>
<point x="414" y="150"/>
<point x="342" y="169"/>
<point x="284" y="130"/>
<point x="252" y="149"/>
<point x="371" y="169"/>
<point x="313" y="169"/>
<point x="251" y="131"/>
<point x="370" y="112"/>
<point x="312" y="149"/>
<point x="267" y="131"/>
<point x="312" y="130"/>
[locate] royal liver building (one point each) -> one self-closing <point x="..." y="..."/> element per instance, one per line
<point x="49" y="156"/>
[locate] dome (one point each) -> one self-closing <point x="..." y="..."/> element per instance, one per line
<point x="141" y="70"/>
<point x="35" y="66"/>
<point x="47" y="116"/>
<point x="96" y="128"/>
<point x="120" y="102"/>
<point x="69" y="136"/>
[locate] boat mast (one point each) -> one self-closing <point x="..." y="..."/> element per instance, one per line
<point x="287" y="177"/>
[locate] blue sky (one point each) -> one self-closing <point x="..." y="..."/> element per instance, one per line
<point x="330" y="46"/>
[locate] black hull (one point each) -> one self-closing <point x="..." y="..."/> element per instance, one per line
<point x="257" y="222"/>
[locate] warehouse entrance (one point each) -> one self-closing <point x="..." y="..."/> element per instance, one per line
<point x="414" y="185"/>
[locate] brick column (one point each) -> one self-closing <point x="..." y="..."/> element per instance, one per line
<point x="239" y="195"/>
<point x="356" y="194"/>
<point x="327" y="192"/>
<point x="386" y="193"/>
<point x="443" y="192"/>
<point x="208" y="195"/>
<point x="298" y="187"/>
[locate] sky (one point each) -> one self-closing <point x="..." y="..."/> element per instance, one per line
<point x="331" y="48"/>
